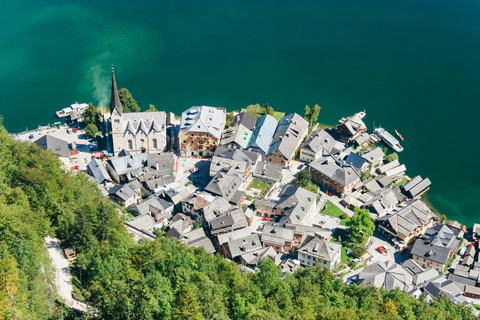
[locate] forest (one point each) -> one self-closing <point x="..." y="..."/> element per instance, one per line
<point x="161" y="279"/>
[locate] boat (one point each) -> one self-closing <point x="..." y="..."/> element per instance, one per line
<point x="388" y="139"/>
<point x="399" y="135"/>
<point x="77" y="107"/>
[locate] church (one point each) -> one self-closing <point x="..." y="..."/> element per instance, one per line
<point x="136" y="132"/>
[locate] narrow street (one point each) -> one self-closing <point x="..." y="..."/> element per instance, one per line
<point x="62" y="274"/>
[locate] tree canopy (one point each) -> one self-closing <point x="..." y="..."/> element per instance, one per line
<point x="311" y="115"/>
<point x="151" y="108"/>
<point x="361" y="226"/>
<point x="129" y="104"/>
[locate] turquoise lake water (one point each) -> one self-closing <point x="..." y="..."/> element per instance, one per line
<point x="413" y="66"/>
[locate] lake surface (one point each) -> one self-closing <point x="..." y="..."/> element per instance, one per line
<point x="413" y="66"/>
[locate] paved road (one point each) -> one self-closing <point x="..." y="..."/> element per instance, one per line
<point x="63" y="276"/>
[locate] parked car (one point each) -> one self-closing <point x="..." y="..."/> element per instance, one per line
<point x="352" y="280"/>
<point x="74" y="168"/>
<point x="265" y="219"/>
<point x="75" y="130"/>
<point x="382" y="250"/>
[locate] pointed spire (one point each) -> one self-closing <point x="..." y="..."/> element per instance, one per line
<point x="115" y="103"/>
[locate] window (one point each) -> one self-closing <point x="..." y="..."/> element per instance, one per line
<point x="116" y="120"/>
<point x="208" y="142"/>
<point x="281" y="161"/>
<point x="200" y="134"/>
<point x="184" y="141"/>
<point x="270" y="160"/>
<point x="191" y="147"/>
<point x="200" y="142"/>
<point x="142" y="141"/>
<point x="308" y="262"/>
<point x="192" y="135"/>
<point x="155" y="143"/>
<point x="130" y="144"/>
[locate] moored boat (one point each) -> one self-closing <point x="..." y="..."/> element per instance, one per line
<point x="399" y="135"/>
<point x="389" y="139"/>
<point x="77" y="107"/>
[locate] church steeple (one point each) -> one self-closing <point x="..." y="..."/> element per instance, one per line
<point x="115" y="103"/>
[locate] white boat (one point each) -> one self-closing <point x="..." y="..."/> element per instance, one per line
<point x="77" y="107"/>
<point x="389" y="139"/>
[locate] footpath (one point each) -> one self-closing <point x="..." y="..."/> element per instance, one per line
<point x="63" y="275"/>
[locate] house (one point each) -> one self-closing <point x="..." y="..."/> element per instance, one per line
<point x="320" y="251"/>
<point x="393" y="164"/>
<point x="435" y="247"/>
<point x="442" y="287"/>
<point x="374" y="157"/>
<point x="136" y="132"/>
<point x="388" y="275"/>
<point x="334" y="175"/>
<point x="193" y="204"/>
<point x="295" y="205"/>
<point x="195" y="238"/>
<point x="125" y="194"/>
<point x="241" y="162"/>
<point x="279" y="238"/>
<point x="350" y="128"/>
<point x="357" y="162"/>
<point x="407" y="222"/>
<point x="416" y="187"/>
<point x="159" y="209"/>
<point x="238" y="247"/>
<point x="263" y="134"/>
<point x="268" y="172"/>
<point x="317" y="144"/>
<point x="287" y="140"/>
<point x="57" y="146"/>
<point x="141" y="226"/>
<point x="201" y="129"/>
<point x="176" y="196"/>
<point x="221" y="239"/>
<point x="226" y="184"/>
<point x="252" y="258"/>
<point x="290" y="266"/>
<point x="96" y="169"/>
<point x="228" y="222"/>
<point x="126" y="168"/>
<point x="240" y="132"/>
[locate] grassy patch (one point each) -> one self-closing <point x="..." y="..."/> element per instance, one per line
<point x="257" y="184"/>
<point x="344" y="256"/>
<point x="332" y="210"/>
<point x="278" y="115"/>
<point x="404" y="180"/>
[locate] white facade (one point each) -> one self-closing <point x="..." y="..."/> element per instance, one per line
<point x="307" y="155"/>
<point x="310" y="260"/>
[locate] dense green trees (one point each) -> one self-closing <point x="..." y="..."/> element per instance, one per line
<point x="151" y="108"/>
<point x="311" y="115"/>
<point x="129" y="104"/>
<point x="161" y="279"/>
<point x="361" y="226"/>
<point x="304" y="180"/>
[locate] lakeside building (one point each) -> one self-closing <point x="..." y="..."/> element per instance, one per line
<point x="318" y="144"/>
<point x="287" y="140"/>
<point x="410" y="220"/>
<point x="240" y="132"/>
<point x="201" y="129"/>
<point x="435" y="247"/>
<point x="136" y="132"/>
<point x="57" y="146"/>
<point x="263" y="134"/>
<point x="350" y="128"/>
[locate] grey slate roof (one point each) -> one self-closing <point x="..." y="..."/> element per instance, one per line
<point x="273" y="233"/>
<point x="237" y="154"/>
<point x="252" y="258"/>
<point x="197" y="238"/>
<point x="202" y="119"/>
<point x="122" y="165"/>
<point x="355" y="161"/>
<point x="295" y="201"/>
<point x="236" y="166"/>
<point x="389" y="166"/>
<point x="408" y="217"/>
<point x="96" y="168"/>
<point x="124" y="192"/>
<point x="374" y="156"/>
<point x="268" y="171"/>
<point x="290" y="131"/>
<point x="352" y="123"/>
<point x="217" y="207"/>
<point x="146" y="122"/>
<point x="222" y="222"/>
<point x="321" y="248"/>
<point x="145" y="206"/>
<point x="265" y="204"/>
<point x="244" y="245"/>
<point x="319" y="140"/>
<point x="263" y="134"/>
<point x="143" y="222"/>
<point x="57" y="146"/>
<point x="240" y="130"/>
<point x="388" y="275"/>
<point x="344" y="175"/>
<point x="224" y="184"/>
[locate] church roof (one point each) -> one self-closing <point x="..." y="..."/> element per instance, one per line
<point x="115" y="103"/>
<point x="144" y="121"/>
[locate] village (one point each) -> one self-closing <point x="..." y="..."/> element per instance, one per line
<point x="249" y="186"/>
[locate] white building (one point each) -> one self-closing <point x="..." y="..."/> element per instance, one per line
<point x="136" y="132"/>
<point x="320" y="251"/>
<point x="318" y="143"/>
